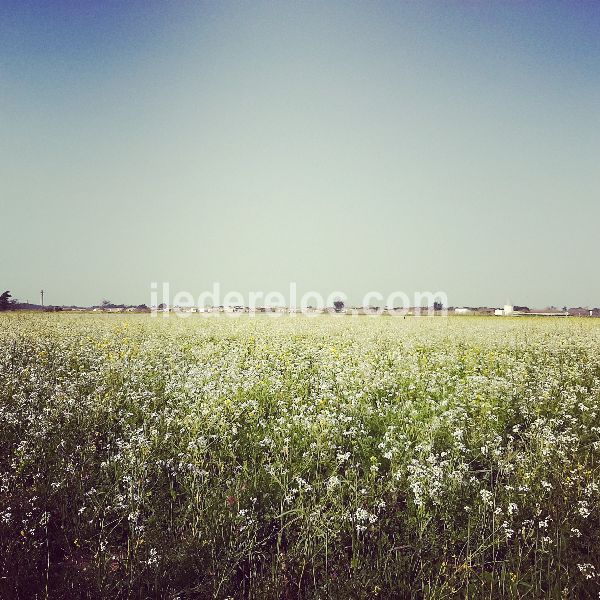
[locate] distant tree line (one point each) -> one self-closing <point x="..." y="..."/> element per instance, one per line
<point x="107" y="304"/>
<point x="7" y="302"/>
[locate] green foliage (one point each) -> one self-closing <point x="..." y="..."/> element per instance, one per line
<point x="5" y="301"/>
<point x="298" y="457"/>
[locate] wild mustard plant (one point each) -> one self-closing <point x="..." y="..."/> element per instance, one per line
<point x="299" y="457"/>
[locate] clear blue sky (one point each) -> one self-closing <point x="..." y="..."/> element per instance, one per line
<point x="353" y="146"/>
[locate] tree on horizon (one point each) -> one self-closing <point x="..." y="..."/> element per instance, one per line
<point x="5" y="300"/>
<point x="338" y="305"/>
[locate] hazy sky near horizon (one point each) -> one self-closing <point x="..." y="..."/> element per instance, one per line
<point x="345" y="146"/>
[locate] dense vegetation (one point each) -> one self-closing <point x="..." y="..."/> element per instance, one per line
<point x="328" y="457"/>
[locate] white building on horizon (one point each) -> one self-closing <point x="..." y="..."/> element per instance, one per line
<point x="508" y="310"/>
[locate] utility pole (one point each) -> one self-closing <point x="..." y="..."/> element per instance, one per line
<point x="42" y="293"/>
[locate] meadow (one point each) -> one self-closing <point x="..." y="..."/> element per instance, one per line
<point x="327" y="457"/>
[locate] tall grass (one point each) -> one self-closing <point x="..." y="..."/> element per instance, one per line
<point x="298" y="458"/>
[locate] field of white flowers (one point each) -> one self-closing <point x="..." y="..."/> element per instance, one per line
<point x="328" y="457"/>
